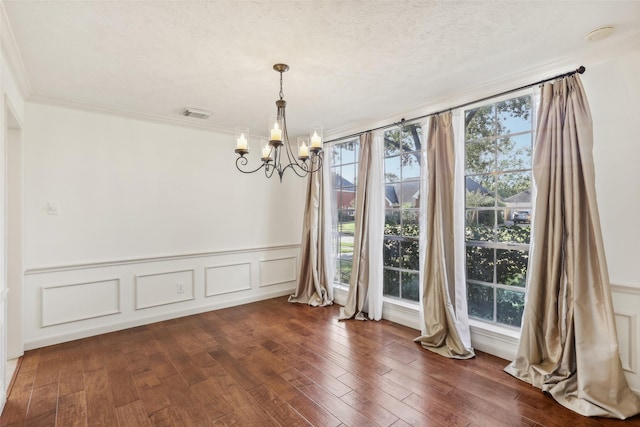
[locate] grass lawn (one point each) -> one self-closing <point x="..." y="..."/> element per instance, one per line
<point x="347" y="227"/>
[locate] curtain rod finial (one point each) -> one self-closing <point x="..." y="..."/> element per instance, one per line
<point x="581" y="69"/>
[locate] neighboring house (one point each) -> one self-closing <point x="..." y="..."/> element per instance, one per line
<point x="390" y="196"/>
<point x="345" y="193"/>
<point x="405" y="193"/>
<point x="474" y="187"/>
<point x="519" y="201"/>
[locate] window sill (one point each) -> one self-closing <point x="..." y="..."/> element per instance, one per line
<point x="490" y="338"/>
<point x="493" y="329"/>
<point x="407" y="305"/>
<point x="494" y="339"/>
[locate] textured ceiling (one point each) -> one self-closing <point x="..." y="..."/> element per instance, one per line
<point x="351" y="61"/>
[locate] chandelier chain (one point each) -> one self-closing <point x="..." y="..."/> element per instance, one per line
<point x="281" y="92"/>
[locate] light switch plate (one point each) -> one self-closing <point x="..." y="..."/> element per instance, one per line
<point x="53" y="208"/>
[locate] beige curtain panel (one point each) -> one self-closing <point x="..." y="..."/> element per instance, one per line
<point x="313" y="282"/>
<point x="568" y="345"/>
<point x="440" y="333"/>
<point x="359" y="281"/>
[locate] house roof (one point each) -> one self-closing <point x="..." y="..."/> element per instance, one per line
<point x="474" y="187"/>
<point x="340" y="181"/>
<point x="390" y="194"/>
<point x="409" y="191"/>
<point x="402" y="192"/>
<point x="519" y="198"/>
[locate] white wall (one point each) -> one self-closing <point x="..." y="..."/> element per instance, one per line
<point x="144" y="207"/>
<point x="11" y="102"/>
<point x="613" y="90"/>
<point x="3" y="284"/>
<point x="129" y="189"/>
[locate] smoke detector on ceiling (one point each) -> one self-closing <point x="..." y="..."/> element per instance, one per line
<point x="599" y="33"/>
<point x="195" y="113"/>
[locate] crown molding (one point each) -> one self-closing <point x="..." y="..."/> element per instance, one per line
<point x="11" y="54"/>
<point x="497" y="85"/>
<point x="93" y="108"/>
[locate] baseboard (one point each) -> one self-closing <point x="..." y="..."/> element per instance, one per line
<point x="406" y="316"/>
<point x="502" y="344"/>
<point x="3" y="400"/>
<point x="85" y="333"/>
<point x="13" y="366"/>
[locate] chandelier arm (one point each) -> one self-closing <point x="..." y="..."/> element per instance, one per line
<point x="291" y="156"/>
<point x="268" y="171"/>
<point x="295" y="170"/>
<point x="315" y="163"/>
<point x="243" y="161"/>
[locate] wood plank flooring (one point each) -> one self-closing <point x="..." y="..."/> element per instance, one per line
<point x="271" y="363"/>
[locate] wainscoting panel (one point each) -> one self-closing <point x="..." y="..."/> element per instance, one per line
<point x="153" y="290"/>
<point x="625" y="325"/>
<point x="278" y="270"/>
<point x="73" y="301"/>
<point x="224" y="279"/>
<point x="79" y="301"/>
<point x="626" y="304"/>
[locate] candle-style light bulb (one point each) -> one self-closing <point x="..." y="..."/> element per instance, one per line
<point x="266" y="152"/>
<point x="304" y="151"/>
<point x="276" y="132"/>
<point x="316" y="141"/>
<point x="241" y="142"/>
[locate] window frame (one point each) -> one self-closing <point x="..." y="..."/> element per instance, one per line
<point x="495" y="244"/>
<point x="337" y="232"/>
<point x="399" y="210"/>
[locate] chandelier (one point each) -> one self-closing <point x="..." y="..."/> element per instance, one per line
<point x="277" y="153"/>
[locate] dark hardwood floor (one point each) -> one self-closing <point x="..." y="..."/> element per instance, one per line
<point x="271" y="363"/>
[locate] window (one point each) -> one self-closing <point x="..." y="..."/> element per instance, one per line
<point x="402" y="207"/>
<point x="344" y="177"/>
<point x="498" y="149"/>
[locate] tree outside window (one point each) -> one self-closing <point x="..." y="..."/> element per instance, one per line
<point x="402" y="148"/>
<point x="498" y="155"/>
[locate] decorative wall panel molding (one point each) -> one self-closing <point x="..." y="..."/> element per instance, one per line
<point x="158" y="289"/>
<point x="224" y="279"/>
<point x="626" y="327"/>
<point x="79" y="301"/>
<point x="148" y="290"/>
<point x="626" y="304"/>
<point x="277" y="270"/>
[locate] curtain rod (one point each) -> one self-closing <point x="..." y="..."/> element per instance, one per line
<point x="579" y="70"/>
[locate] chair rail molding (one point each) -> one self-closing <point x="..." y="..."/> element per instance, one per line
<point x="74" y="301"/>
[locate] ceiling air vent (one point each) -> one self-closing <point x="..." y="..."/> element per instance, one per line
<point x="195" y="113"/>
